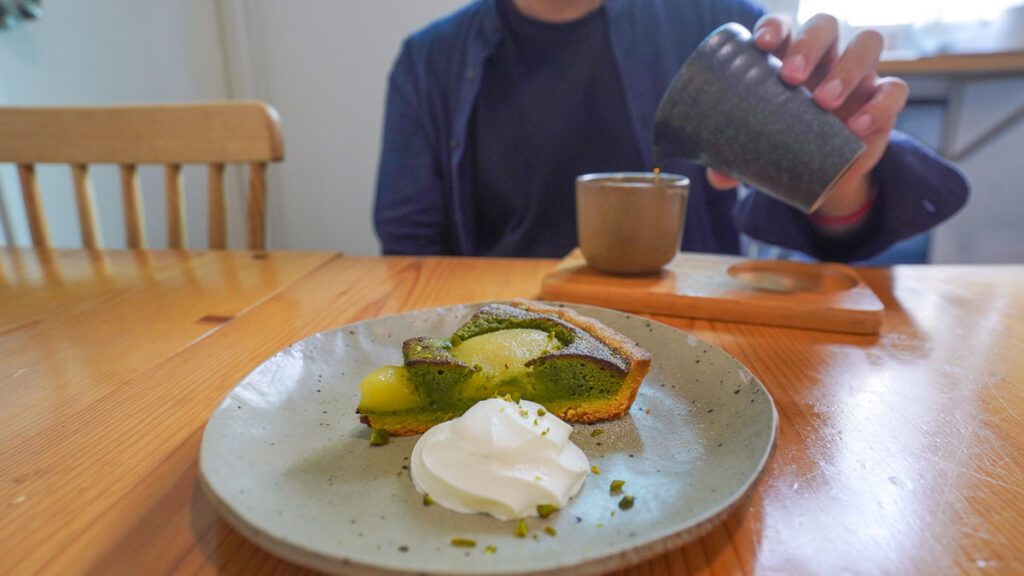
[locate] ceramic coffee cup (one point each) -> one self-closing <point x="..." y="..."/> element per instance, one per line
<point x="727" y="108"/>
<point x="630" y="222"/>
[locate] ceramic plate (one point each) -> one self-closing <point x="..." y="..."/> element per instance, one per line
<point x="287" y="463"/>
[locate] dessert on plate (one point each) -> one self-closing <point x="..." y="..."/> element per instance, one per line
<point x="576" y="367"/>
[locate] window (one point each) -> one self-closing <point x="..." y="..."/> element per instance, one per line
<point x="898" y="12"/>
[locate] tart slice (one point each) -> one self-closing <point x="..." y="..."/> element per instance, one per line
<point x="578" y="368"/>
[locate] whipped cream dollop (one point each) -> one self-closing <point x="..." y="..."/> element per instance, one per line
<point x="502" y="458"/>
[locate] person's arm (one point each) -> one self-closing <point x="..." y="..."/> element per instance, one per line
<point x="915" y="191"/>
<point x="409" y="211"/>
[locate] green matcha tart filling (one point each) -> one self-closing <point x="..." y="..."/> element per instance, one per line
<point x="578" y="368"/>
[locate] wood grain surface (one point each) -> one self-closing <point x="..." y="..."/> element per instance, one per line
<point x="901" y="453"/>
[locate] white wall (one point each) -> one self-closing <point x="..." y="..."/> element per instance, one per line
<point x="324" y="65"/>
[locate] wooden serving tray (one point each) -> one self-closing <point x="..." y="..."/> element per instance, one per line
<point x="830" y="297"/>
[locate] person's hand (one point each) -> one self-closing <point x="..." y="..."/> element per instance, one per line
<point x="845" y="84"/>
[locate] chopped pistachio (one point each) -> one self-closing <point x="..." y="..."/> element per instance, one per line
<point x="463" y="542"/>
<point x="545" y="432"/>
<point x="550" y="530"/>
<point x="596" y="433"/>
<point x="594" y="469"/>
<point x="521" y="528"/>
<point x="541" y="412"/>
<point x="427" y="500"/>
<point x="617" y="485"/>
<point x="546" y="510"/>
<point x="378" y="437"/>
<point x="626" y="503"/>
<point x="534" y="421"/>
<point x="490" y="550"/>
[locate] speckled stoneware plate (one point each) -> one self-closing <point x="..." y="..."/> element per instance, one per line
<point x="286" y="461"/>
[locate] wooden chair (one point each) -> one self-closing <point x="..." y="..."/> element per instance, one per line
<point x="173" y="134"/>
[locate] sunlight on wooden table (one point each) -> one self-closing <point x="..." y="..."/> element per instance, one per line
<point x="901" y="453"/>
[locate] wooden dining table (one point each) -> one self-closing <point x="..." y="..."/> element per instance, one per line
<point x="897" y="453"/>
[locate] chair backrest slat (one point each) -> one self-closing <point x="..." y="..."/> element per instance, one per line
<point x="87" y="222"/>
<point x="218" y="218"/>
<point x="33" y="205"/>
<point x="257" y="205"/>
<point x="175" y="207"/>
<point x="131" y="200"/>
<point x="214" y="134"/>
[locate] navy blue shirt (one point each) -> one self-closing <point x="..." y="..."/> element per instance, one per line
<point x="551" y="107"/>
<point x="426" y="195"/>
